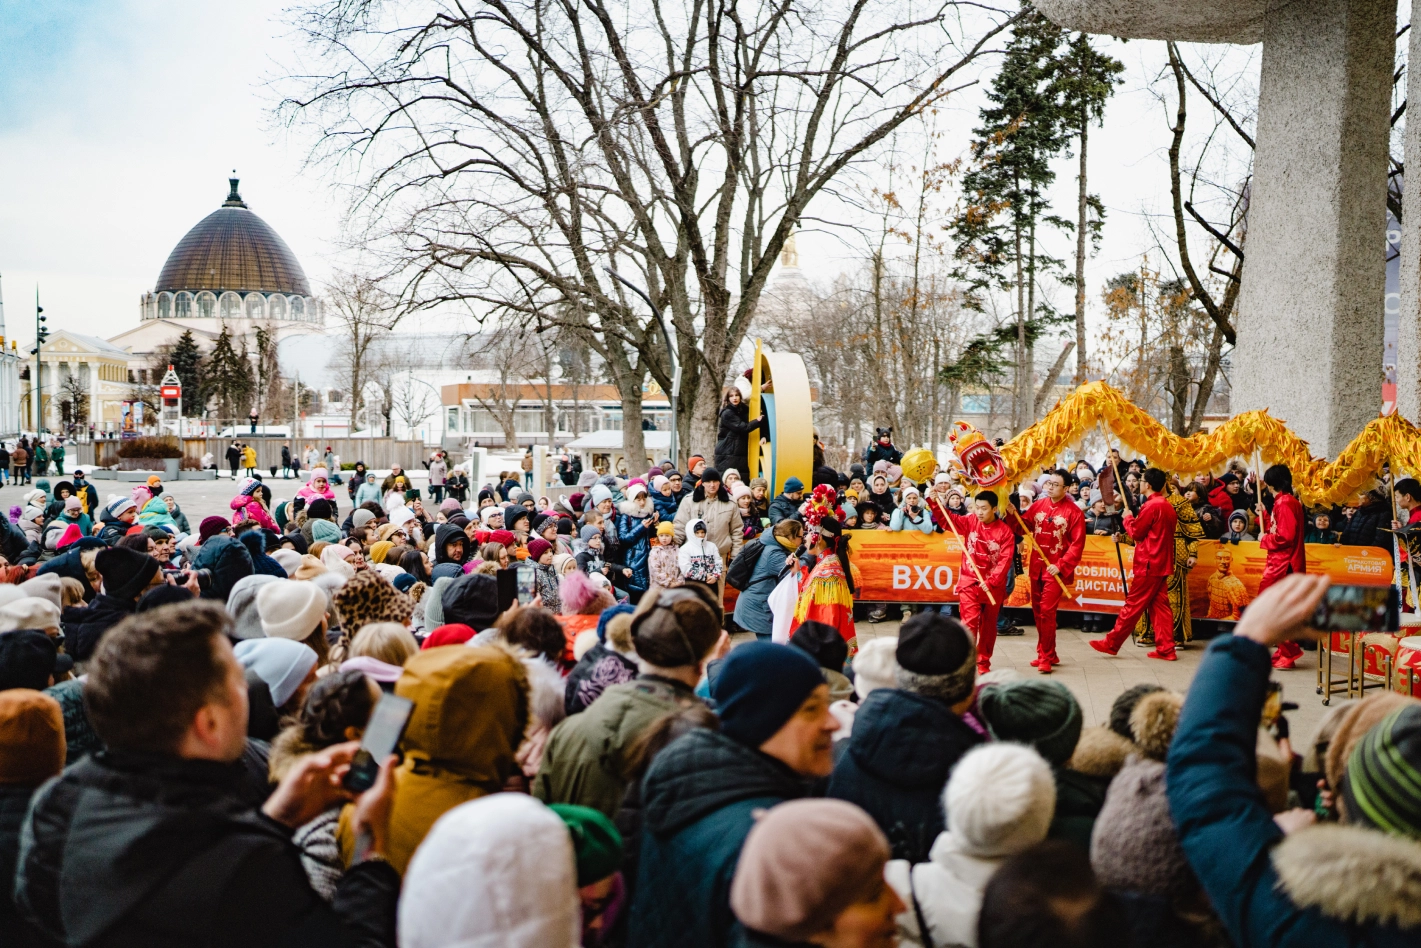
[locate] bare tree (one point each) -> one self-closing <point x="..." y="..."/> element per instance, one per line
<point x="412" y="402"/>
<point x="73" y="403"/>
<point x="509" y="149"/>
<point x="363" y="313"/>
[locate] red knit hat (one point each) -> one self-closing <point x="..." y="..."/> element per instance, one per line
<point x="453" y="634"/>
<point x="537" y="547"/>
<point x="504" y="538"/>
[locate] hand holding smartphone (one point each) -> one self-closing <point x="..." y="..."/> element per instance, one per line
<point x="382" y="736"/>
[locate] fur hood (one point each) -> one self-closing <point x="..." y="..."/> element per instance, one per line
<point x="289" y="746"/>
<point x="1100" y="753"/>
<point x="1352" y="874"/>
<point x="641" y="507"/>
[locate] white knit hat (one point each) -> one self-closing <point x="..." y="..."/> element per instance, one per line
<point x="281" y="663"/>
<point x="401" y="516"/>
<point x="876" y="665"/>
<point x="599" y="493"/>
<point x="942" y="478"/>
<point x="635" y="490"/>
<point x="659" y="481"/>
<point x="289" y="560"/>
<point x="29" y="612"/>
<point x="290" y="610"/>
<point x="45" y="586"/>
<point x="9" y="593"/>
<point x="489" y="512"/>
<point x="1000" y="799"/>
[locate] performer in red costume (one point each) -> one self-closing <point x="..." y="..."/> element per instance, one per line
<point x="1153" y="533"/>
<point x="1281" y="534"/>
<point x="990" y="544"/>
<point x="1059" y="529"/>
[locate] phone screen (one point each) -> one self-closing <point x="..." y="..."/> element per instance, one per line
<point x="1358" y="609"/>
<point x="382" y="735"/>
<point x="526" y="585"/>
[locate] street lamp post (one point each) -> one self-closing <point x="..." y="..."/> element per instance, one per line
<point x="41" y="334"/>
<point x="675" y="392"/>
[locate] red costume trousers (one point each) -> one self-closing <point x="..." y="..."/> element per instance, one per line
<point x="980" y="617"/>
<point x="1272" y="572"/>
<point x="1045" y="597"/>
<point x="1147" y="594"/>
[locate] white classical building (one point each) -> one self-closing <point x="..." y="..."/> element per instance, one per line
<point x="10" y="423"/>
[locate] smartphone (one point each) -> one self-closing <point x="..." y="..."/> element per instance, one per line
<point x="507" y="581"/>
<point x="382" y="736"/>
<point x="1358" y="609"/>
<point x="527" y="586"/>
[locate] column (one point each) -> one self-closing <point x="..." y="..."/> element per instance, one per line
<point x="1311" y="306"/>
<point x="1408" y="339"/>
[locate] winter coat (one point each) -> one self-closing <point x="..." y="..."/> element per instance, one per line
<point x="1079" y="797"/>
<point x="698" y="558"/>
<point x="193" y="865"/>
<point x="111" y="529"/>
<point x="900" y="753"/>
<point x="228" y="560"/>
<point x="248" y="508"/>
<point x="585" y="758"/>
<point x="445" y="534"/>
<point x="664" y="566"/>
<point x="876" y="452"/>
<point x="1362" y="529"/>
<point x="13" y="541"/>
<point x="634" y="538"/>
<point x="784" y="507"/>
<point x="438" y="470"/>
<point x="471" y="709"/>
<point x="665" y="504"/>
<point x="722" y="519"/>
<point x="733" y="437"/>
<point x="699" y="800"/>
<point x="180" y="519"/>
<point x="155" y="514"/>
<point x="14" y="801"/>
<point x="70" y="563"/>
<point x="1326" y="886"/>
<point x="599" y="669"/>
<point x="545" y="579"/>
<point x="752" y="609"/>
<point x="84" y="626"/>
<point x="948" y="889"/>
<point x="366" y="492"/>
<point x="901" y="521"/>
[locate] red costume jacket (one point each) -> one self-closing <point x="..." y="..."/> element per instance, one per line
<point x="1059" y="529"/>
<point x="1153" y="533"/>
<point x="991" y="546"/>
<point x="1283" y="534"/>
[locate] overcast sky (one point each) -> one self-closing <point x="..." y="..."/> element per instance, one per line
<point x="120" y="122"/>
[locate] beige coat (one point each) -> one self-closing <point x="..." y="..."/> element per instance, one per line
<point x="722" y="523"/>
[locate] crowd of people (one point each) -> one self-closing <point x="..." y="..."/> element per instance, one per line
<point x="589" y="762"/>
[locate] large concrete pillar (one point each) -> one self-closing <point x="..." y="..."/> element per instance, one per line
<point x="1310" y="308"/>
<point x="1408" y="339"/>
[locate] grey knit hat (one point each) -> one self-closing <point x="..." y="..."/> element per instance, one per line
<point x="1043" y="714"/>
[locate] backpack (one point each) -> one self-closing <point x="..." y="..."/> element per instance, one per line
<point x="743" y="566"/>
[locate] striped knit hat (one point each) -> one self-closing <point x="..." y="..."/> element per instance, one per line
<point x="1382" y="786"/>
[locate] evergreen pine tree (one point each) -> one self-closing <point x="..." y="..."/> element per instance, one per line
<point x="1006" y="203"/>
<point x="186" y="359"/>
<point x="225" y="378"/>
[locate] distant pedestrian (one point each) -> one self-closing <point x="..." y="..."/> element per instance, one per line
<point x="234" y="458"/>
<point x="527" y="465"/>
<point x="438" y="470"/>
<point x="286" y="460"/>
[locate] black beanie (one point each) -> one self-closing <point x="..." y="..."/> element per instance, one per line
<point x="319" y="509"/>
<point x="126" y="572"/>
<point x="760" y="687"/>
<point x="471" y="600"/>
<point x="710" y="474"/>
<point x="931" y="643"/>
<point x="823" y="643"/>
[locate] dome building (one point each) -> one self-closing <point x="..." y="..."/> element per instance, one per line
<point x="232" y="266"/>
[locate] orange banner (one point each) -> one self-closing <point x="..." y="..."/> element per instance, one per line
<point x="917" y="567"/>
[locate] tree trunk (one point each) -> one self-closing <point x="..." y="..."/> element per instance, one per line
<point x="628" y="381"/>
<point x="1021" y="382"/>
<point x="1082" y="224"/>
<point x="1206" y="383"/>
<point x="1178" y="388"/>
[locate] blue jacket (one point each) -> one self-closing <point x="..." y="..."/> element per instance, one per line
<point x="229" y="561"/>
<point x="666" y="505"/>
<point x="635" y="548"/>
<point x="698" y="803"/>
<point x="899" y="521"/>
<point x="752" y="609"/>
<point x="1228" y="834"/>
<point x="900" y="753"/>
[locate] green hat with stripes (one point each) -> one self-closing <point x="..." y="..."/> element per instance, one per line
<point x="1382" y="787"/>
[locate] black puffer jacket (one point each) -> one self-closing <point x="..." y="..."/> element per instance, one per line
<point x="14" y="801"/>
<point x="84" y="626"/>
<point x="130" y="849"/>
<point x="900" y="753"/>
<point x="732" y="439"/>
<point x="228" y="560"/>
<point x="698" y="804"/>
<point x="1363" y="528"/>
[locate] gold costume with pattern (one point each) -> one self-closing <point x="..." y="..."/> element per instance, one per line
<point x="1188" y="531"/>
